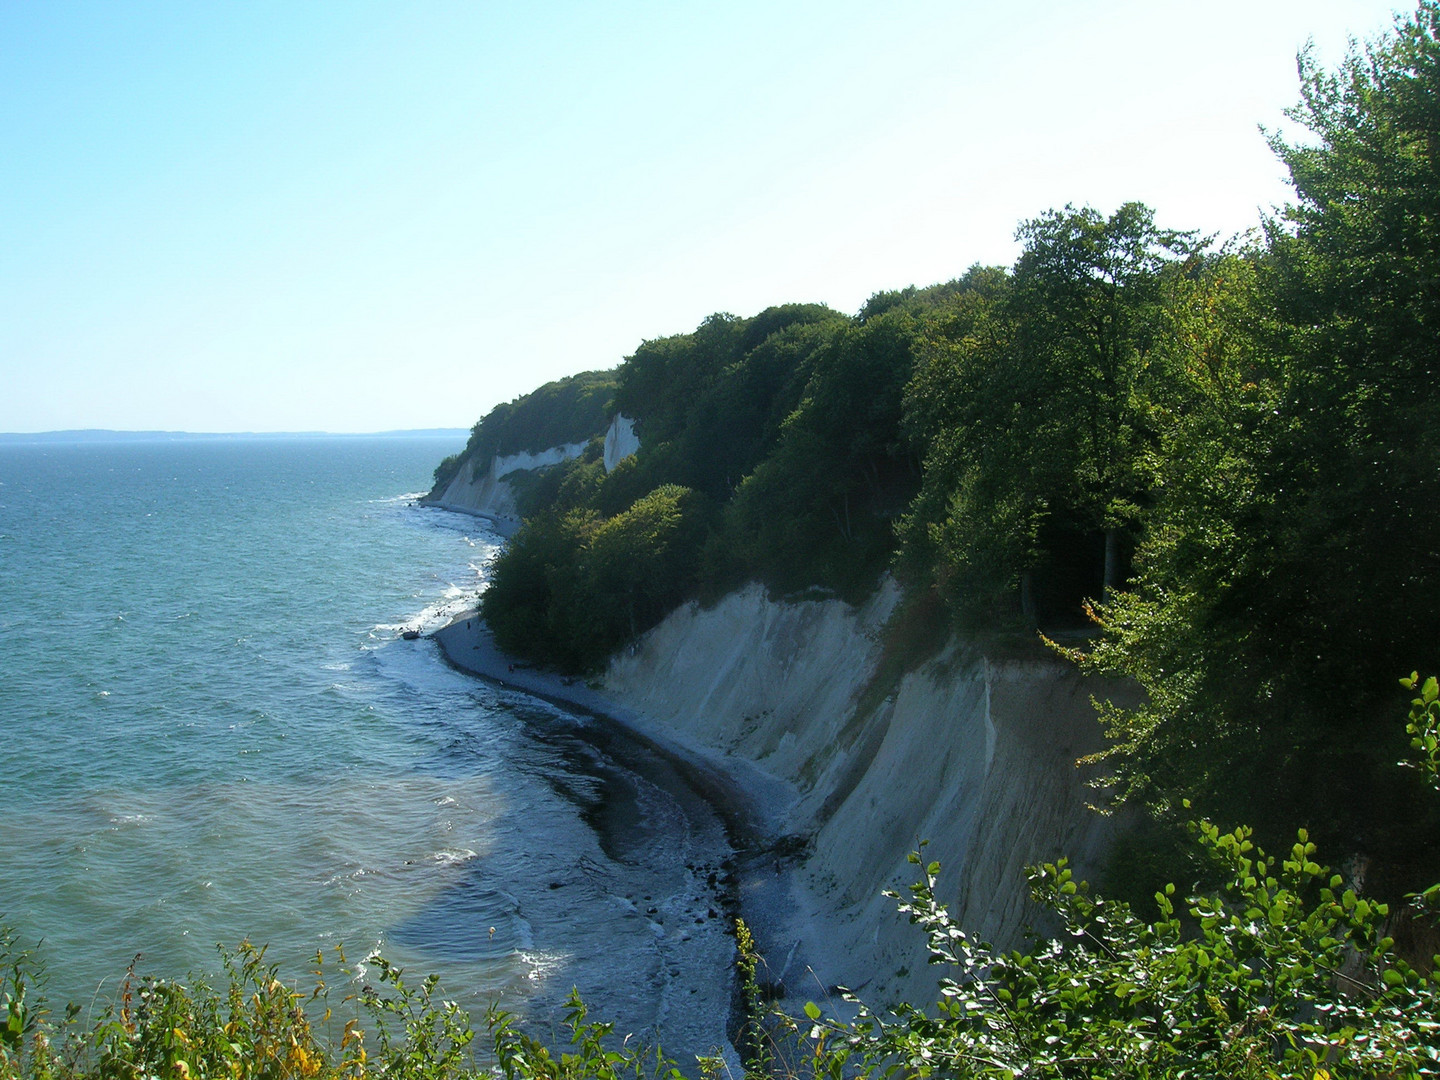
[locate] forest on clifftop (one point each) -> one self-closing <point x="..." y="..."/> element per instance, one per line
<point x="1207" y="465"/>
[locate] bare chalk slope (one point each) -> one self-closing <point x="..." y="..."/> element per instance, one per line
<point x="975" y="756"/>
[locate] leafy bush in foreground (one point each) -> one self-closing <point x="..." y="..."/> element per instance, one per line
<point x="1283" y="974"/>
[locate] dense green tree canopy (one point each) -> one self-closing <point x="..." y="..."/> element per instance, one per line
<point x="1226" y="453"/>
<point x="1290" y="566"/>
<point x="1034" y="413"/>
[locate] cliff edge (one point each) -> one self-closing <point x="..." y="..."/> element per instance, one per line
<point x="857" y="761"/>
<point x="484" y="487"/>
<point x="973" y="755"/>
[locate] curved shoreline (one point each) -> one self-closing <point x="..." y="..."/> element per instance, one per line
<point x="752" y="803"/>
<point x="503" y="527"/>
<point x="789" y="716"/>
<point x="758" y="883"/>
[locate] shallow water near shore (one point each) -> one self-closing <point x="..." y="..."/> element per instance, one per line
<point x="213" y="731"/>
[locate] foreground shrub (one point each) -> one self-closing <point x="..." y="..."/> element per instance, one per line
<point x="1283" y="973"/>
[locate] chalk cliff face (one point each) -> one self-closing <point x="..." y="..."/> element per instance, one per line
<point x="620" y="441"/>
<point x="975" y="756"/>
<point x="481" y="488"/>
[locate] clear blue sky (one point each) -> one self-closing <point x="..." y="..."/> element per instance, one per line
<point x="364" y="216"/>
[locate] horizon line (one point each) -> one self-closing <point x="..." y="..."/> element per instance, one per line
<point x="84" y="434"/>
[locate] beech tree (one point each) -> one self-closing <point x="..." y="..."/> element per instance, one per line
<point x="1270" y="606"/>
<point x="1044" y="436"/>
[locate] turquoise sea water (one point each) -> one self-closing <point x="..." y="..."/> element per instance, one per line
<point x="212" y="730"/>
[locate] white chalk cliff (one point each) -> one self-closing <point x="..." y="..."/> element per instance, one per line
<point x="972" y="754"/>
<point x="975" y="756"/>
<point x="481" y="488"/>
<point x="620" y="441"/>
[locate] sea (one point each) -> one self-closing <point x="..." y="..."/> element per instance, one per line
<point x="213" y="731"/>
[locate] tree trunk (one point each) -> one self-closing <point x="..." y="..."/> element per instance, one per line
<point x="1112" y="563"/>
<point x="1027" y="597"/>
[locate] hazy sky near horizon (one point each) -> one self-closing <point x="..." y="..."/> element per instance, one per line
<point x="356" y="216"/>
